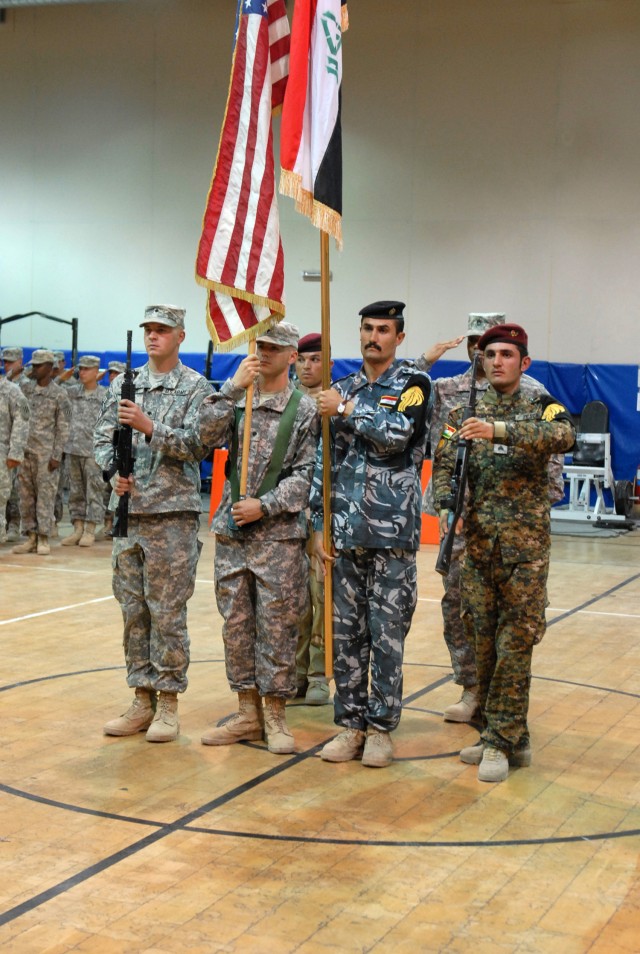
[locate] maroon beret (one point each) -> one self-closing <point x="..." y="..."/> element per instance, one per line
<point x="312" y="342"/>
<point x="507" y="334"/>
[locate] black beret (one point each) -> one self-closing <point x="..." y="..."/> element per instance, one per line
<point x="507" y="334"/>
<point x="383" y="309"/>
<point x="309" y="343"/>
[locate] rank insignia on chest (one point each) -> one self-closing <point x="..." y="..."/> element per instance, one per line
<point x="388" y="401"/>
<point x="500" y="449"/>
<point x="412" y="397"/>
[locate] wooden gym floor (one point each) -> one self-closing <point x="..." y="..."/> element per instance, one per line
<point x="115" y="845"/>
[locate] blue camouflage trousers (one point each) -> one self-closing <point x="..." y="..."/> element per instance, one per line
<point x="154" y="574"/>
<point x="374" y="598"/>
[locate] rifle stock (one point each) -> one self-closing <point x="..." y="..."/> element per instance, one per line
<point x="123" y="457"/>
<point x="455" y="501"/>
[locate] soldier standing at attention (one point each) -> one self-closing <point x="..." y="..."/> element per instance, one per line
<point x="12" y="359"/>
<point x="449" y="393"/>
<point x="49" y="413"/>
<point x="14" y="430"/>
<point x="508" y="538"/>
<point x="154" y="567"/>
<point x="260" y="564"/>
<point x="379" y="425"/>
<point x="86" y="486"/>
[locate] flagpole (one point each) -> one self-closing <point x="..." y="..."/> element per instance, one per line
<point x="326" y="451"/>
<point x="246" y="437"/>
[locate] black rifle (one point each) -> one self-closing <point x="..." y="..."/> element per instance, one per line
<point x="123" y="456"/>
<point x="454" y="502"/>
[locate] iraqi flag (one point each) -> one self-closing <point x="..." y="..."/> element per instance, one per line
<point x="240" y="260"/>
<point x="311" y="132"/>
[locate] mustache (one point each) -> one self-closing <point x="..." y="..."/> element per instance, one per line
<point x="372" y="345"/>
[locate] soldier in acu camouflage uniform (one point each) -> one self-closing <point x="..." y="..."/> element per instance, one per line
<point x="154" y="567"/>
<point x="14" y="430"/>
<point x="12" y="359"/>
<point x="86" y="486"/>
<point x="379" y="425"/>
<point x="49" y="413"/>
<point x="507" y="533"/>
<point x="114" y="368"/>
<point x="260" y="564"/>
<point x="450" y="393"/>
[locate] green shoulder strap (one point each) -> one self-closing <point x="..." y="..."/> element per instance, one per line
<point x="274" y="469"/>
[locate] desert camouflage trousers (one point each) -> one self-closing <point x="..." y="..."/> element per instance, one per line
<point x="461" y="648"/>
<point x="37" y="488"/>
<point x="504" y="610"/>
<point x="154" y="574"/>
<point x="261" y="596"/>
<point x="5" y="484"/>
<point x="86" y="489"/>
<point x="310" y="660"/>
<point x="374" y="597"/>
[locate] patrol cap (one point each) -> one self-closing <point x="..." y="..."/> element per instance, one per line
<point x="12" y="354"/>
<point x="309" y="343"/>
<point x="383" y="309"/>
<point x="41" y="356"/>
<point x="283" y="334"/>
<point x="58" y="355"/>
<point x="89" y="361"/>
<point x="169" y="315"/>
<point x="479" y="322"/>
<point x="118" y="366"/>
<point x="506" y="334"/>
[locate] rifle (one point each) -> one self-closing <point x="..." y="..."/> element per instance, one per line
<point x="123" y="456"/>
<point x="454" y="502"/>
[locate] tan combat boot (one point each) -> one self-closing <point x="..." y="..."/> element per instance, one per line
<point x="165" y="726"/>
<point x="464" y="710"/>
<point x="29" y="546"/>
<point x="42" y="547"/>
<point x="137" y="718"/>
<point x="378" y="749"/>
<point x="88" y="538"/>
<point x="247" y="723"/>
<point x="276" y="730"/>
<point x="74" y="538"/>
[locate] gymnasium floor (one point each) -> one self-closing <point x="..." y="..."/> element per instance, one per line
<point x="116" y="845"/>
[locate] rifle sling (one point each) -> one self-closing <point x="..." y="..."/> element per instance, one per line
<point x="274" y="470"/>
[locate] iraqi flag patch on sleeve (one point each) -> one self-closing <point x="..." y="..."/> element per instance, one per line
<point x="448" y="432"/>
<point x="388" y="401"/>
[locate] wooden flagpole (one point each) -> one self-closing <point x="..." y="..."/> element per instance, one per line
<point x="246" y="437"/>
<point x="326" y="451"/>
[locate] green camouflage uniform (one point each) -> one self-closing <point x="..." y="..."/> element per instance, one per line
<point x="507" y="533"/>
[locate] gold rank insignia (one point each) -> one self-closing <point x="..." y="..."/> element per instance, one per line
<point x="551" y="411"/>
<point x="411" y="398"/>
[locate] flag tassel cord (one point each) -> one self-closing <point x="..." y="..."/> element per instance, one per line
<point x="326" y="451"/>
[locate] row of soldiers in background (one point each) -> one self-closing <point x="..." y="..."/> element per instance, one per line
<point x="46" y="441"/>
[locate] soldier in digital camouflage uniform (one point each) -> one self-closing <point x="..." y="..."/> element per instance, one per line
<point x="448" y="394"/>
<point x="86" y="486"/>
<point x="260" y="563"/>
<point x="154" y="567"/>
<point x="379" y="426"/>
<point x="12" y="359"/>
<point x="508" y="538"/>
<point x="114" y="368"/>
<point x="14" y="430"/>
<point x="49" y="413"/>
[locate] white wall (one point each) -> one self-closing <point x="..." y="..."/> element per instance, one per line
<point x="492" y="162"/>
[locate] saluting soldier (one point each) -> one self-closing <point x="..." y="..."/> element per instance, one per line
<point x="14" y="430"/>
<point x="508" y="536"/>
<point x="379" y="429"/>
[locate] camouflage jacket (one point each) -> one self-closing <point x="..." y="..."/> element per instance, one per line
<point x="449" y="393"/>
<point x="508" y="498"/>
<point x="287" y="501"/>
<point x="377" y="454"/>
<point x="167" y="467"/>
<point x="49" y="415"/>
<point x="85" y="410"/>
<point x="14" y="421"/>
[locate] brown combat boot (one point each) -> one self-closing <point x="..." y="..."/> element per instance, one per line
<point x="42" y="546"/>
<point x="88" y="538"/>
<point x="30" y="545"/>
<point x="246" y="724"/>
<point x="165" y="726"/>
<point x="277" y="732"/>
<point x="137" y="718"/>
<point x="74" y="538"/>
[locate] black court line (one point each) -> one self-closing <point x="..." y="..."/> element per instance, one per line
<point x="594" y="599"/>
<point x="185" y="821"/>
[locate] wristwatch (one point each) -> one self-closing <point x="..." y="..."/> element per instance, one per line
<point x="263" y="507"/>
<point x="341" y="408"/>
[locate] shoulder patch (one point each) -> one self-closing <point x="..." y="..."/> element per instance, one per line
<point x="387" y="400"/>
<point x="552" y="411"/>
<point x="412" y="397"/>
<point x="448" y="432"/>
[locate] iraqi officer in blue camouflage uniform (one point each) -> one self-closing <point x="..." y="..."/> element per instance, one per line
<point x="379" y="428"/>
<point x="508" y="537"/>
<point x="154" y="567"/>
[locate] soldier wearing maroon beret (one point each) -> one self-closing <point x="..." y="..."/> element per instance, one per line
<point x="507" y="532"/>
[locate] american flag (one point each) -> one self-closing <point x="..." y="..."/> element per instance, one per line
<point x="240" y="260"/>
